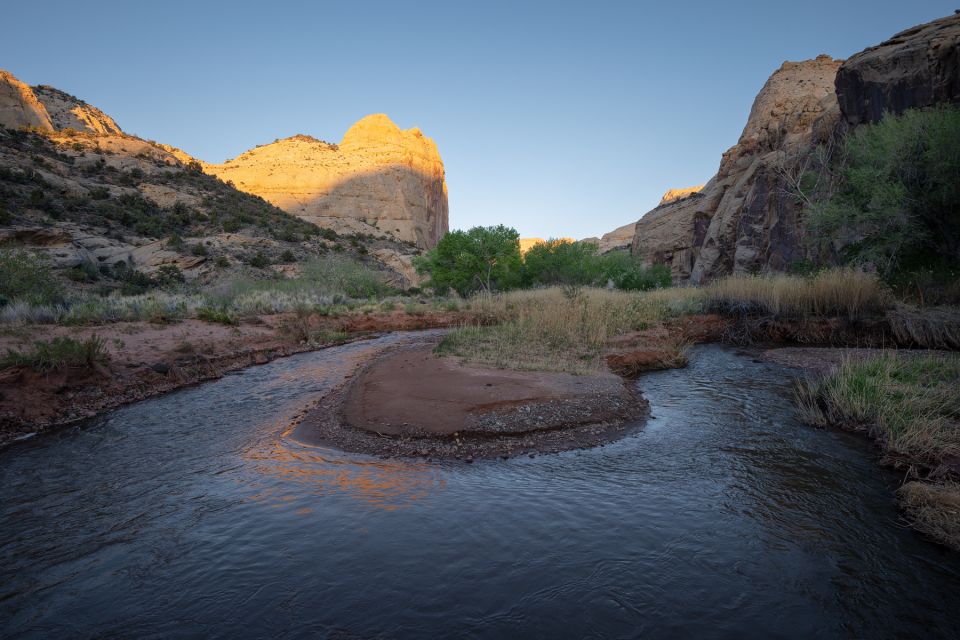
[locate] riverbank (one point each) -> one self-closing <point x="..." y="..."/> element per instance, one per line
<point x="146" y="359"/>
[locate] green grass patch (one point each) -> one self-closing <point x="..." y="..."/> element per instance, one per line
<point x="910" y="403"/>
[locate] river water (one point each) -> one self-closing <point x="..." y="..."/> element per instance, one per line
<point x="193" y="515"/>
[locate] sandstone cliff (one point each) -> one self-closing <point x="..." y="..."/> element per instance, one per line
<point x="19" y="106"/>
<point x="744" y="219"/>
<point x="68" y="112"/>
<point x="915" y="68"/>
<point x="75" y="187"/>
<point x="676" y="194"/>
<point x="379" y="179"/>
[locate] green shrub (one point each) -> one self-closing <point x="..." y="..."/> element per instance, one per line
<point x="169" y="274"/>
<point x="288" y="256"/>
<point x="25" y="276"/>
<point x="216" y="314"/>
<point x="199" y="249"/>
<point x="222" y="262"/>
<point x="259" y="260"/>
<point x="895" y="195"/>
<point x="58" y="353"/>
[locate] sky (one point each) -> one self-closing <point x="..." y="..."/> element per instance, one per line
<point x="560" y="119"/>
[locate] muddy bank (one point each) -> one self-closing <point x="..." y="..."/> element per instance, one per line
<point x="148" y="359"/>
<point x="412" y="403"/>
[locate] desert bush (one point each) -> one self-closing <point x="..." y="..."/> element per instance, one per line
<point x="259" y="260"/>
<point x="218" y="315"/>
<point x="58" y="353"/>
<point x="28" y="278"/>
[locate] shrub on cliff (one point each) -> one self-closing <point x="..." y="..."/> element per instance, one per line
<point x="894" y="200"/>
<point x="483" y="258"/>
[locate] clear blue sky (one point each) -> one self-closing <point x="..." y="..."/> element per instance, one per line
<point x="557" y="118"/>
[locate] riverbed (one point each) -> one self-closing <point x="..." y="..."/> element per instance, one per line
<point x="195" y="514"/>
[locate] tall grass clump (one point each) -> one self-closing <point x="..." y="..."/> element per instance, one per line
<point x="843" y="292"/>
<point x="934" y="509"/>
<point x="58" y="353"/>
<point x="558" y="329"/>
<point x="911" y="404"/>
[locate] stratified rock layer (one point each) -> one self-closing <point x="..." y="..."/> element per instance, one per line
<point x="383" y="178"/>
<point x="918" y="67"/>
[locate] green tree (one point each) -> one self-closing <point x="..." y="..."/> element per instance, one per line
<point x="482" y="258"/>
<point x="561" y="262"/>
<point x="895" y="201"/>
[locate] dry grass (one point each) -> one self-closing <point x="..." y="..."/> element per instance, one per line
<point x="554" y="330"/>
<point x="930" y="328"/>
<point x="934" y="509"/>
<point x="837" y="292"/>
<point x="910" y="403"/>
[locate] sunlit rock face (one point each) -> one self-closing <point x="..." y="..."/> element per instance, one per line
<point x="19" y="106"/>
<point x="745" y="219"/>
<point x="915" y="68"/>
<point x="379" y="179"/>
<point x="48" y="109"/>
<point x="68" y="112"/>
<point x="676" y="194"/>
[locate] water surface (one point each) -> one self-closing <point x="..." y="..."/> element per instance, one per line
<point x="192" y="515"/>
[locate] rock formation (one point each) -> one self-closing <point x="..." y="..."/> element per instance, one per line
<point x="81" y="191"/>
<point x="744" y="219"/>
<point x="379" y="179"/>
<point x="918" y="67"/>
<point x="48" y="109"/>
<point x="68" y="112"/>
<point x="19" y="106"/>
<point x="676" y="194"/>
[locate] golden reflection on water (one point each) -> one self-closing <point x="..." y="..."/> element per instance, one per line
<point x="383" y="484"/>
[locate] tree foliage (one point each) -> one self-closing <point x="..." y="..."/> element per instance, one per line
<point x="895" y="202"/>
<point x="488" y="259"/>
<point x="482" y="258"/>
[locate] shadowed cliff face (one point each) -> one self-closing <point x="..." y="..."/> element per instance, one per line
<point x="378" y="175"/>
<point x="918" y="67"/>
<point x="396" y="201"/>
<point x="743" y="219"/>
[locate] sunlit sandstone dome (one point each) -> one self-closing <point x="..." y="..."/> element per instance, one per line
<point x="379" y="180"/>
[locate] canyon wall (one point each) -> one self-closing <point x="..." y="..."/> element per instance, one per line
<point x="379" y="179"/>
<point x="746" y="218"/>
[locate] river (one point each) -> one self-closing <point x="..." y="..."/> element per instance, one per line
<point x="193" y="514"/>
